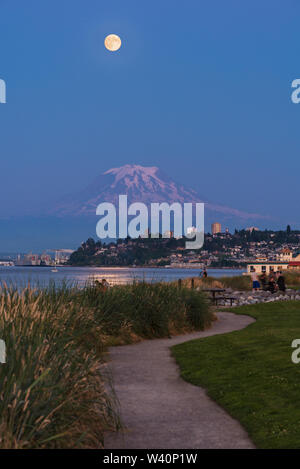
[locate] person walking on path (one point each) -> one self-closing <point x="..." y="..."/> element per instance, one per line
<point x="255" y="281"/>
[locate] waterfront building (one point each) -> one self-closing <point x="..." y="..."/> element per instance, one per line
<point x="294" y="265"/>
<point x="266" y="267"/>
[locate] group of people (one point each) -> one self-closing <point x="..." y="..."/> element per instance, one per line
<point x="103" y="285"/>
<point x="275" y="282"/>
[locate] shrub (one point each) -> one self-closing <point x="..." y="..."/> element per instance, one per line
<point x="51" y="391"/>
<point x="241" y="282"/>
<point x="198" y="312"/>
<point x="292" y="278"/>
<point x="148" y="310"/>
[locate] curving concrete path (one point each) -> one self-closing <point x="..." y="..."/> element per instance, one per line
<point x="161" y="410"/>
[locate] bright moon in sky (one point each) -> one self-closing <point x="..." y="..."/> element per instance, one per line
<point x="112" y="42"/>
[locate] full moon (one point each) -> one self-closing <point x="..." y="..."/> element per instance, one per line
<point x="112" y="42"/>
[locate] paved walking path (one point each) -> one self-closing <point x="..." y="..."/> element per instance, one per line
<point x="161" y="410"/>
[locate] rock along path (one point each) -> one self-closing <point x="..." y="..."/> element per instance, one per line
<point x="161" y="410"/>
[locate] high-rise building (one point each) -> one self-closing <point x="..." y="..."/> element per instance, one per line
<point x="215" y="228"/>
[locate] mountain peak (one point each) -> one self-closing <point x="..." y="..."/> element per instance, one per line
<point x="133" y="171"/>
<point x="145" y="184"/>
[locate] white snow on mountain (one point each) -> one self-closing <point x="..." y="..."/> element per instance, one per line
<point x="140" y="184"/>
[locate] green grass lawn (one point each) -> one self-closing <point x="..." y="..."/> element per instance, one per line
<point x="250" y="373"/>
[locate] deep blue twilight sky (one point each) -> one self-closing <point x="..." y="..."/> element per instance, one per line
<point x="200" y="89"/>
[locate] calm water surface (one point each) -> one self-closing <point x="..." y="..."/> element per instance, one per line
<point x="20" y="276"/>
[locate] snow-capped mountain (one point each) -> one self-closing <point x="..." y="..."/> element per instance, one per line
<point x="140" y="184"/>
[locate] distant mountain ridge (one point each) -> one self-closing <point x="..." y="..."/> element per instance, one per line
<point x="141" y="184"/>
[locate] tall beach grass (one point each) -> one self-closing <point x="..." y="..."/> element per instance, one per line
<point x="54" y="392"/>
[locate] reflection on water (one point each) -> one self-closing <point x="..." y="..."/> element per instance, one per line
<point x="42" y="276"/>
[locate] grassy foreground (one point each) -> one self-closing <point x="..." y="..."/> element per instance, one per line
<point x="54" y="392"/>
<point x="250" y="373"/>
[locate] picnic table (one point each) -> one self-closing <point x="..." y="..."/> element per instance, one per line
<point x="215" y="299"/>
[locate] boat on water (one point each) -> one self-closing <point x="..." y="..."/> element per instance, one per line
<point x="54" y="270"/>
